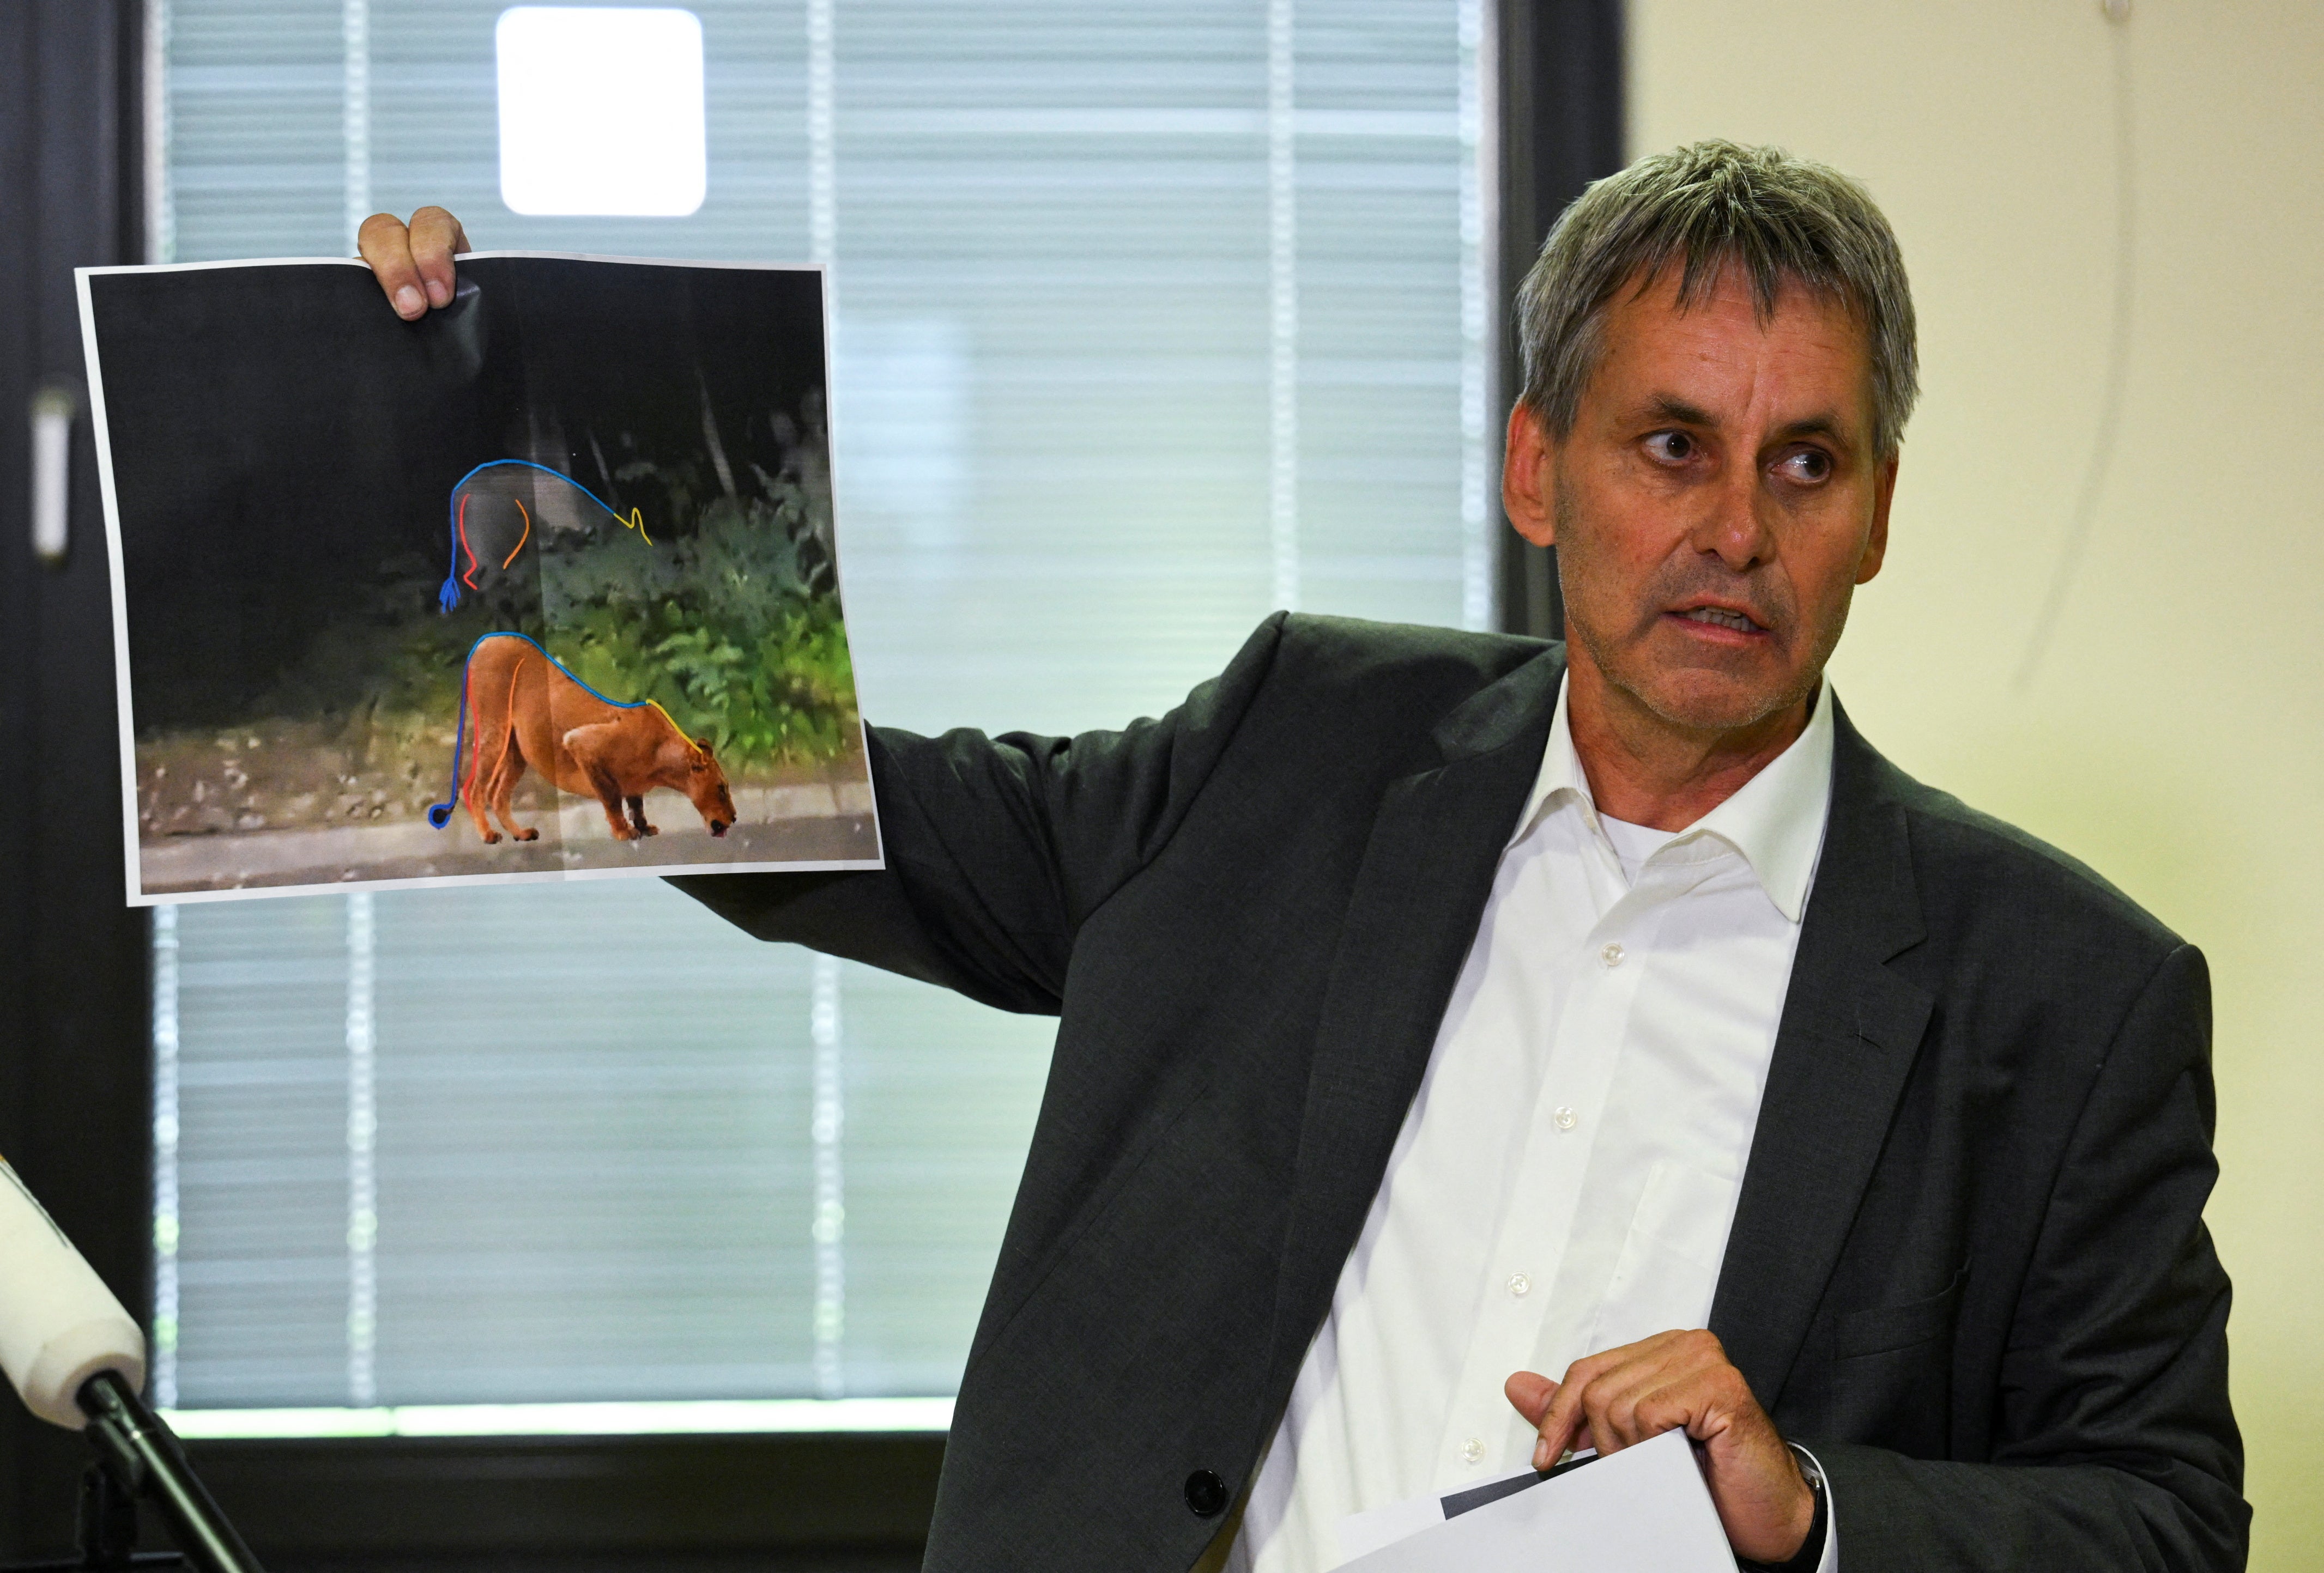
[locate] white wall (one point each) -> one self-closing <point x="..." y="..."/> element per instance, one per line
<point x="2173" y="735"/>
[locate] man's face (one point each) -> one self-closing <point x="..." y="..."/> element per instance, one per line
<point x="1717" y="501"/>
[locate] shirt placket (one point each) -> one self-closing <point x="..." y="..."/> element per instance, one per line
<point x="1483" y="1435"/>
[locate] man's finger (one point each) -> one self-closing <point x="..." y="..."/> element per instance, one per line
<point x="1658" y="1399"/>
<point x="1613" y="1402"/>
<point x="1579" y="1403"/>
<point x="1561" y="1423"/>
<point x="386" y="245"/>
<point x="1529" y="1394"/>
<point x="436" y="238"/>
<point x="1613" y="1410"/>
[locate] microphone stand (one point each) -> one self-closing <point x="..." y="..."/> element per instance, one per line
<point x="137" y="1454"/>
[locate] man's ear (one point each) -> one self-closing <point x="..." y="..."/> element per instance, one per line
<point x="1876" y="541"/>
<point x="1529" y="478"/>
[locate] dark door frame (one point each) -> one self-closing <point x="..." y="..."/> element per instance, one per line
<point x="1560" y="73"/>
<point x="75" y="1064"/>
<point x="74" y="1080"/>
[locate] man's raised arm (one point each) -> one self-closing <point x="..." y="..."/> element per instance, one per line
<point x="998" y="848"/>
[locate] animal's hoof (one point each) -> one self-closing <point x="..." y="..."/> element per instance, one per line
<point x="527" y="835"/>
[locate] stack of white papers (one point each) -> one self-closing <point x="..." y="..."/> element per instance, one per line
<point x="1645" y="1508"/>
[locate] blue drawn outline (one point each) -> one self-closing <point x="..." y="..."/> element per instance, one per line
<point x="448" y="597"/>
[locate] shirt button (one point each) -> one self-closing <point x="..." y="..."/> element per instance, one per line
<point x="1564" y="1118"/>
<point x="1473" y="1450"/>
<point x="1612" y="954"/>
<point x="1519" y="1284"/>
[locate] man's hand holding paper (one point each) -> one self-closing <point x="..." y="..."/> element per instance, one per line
<point x="1680" y="1380"/>
<point x="413" y="262"/>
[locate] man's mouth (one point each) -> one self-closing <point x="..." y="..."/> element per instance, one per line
<point x="1719" y="617"/>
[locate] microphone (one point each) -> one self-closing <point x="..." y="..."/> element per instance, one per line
<point x="77" y="1359"/>
<point x="59" y="1325"/>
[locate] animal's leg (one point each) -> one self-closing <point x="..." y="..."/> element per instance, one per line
<point x="476" y="791"/>
<point x="510" y="772"/>
<point x="638" y="817"/>
<point x="609" y="793"/>
<point x="586" y="745"/>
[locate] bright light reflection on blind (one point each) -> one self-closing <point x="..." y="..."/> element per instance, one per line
<point x="1151" y="319"/>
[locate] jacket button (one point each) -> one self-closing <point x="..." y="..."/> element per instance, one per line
<point x="1206" y="1494"/>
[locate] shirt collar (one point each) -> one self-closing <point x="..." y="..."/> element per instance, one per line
<point x="1775" y="820"/>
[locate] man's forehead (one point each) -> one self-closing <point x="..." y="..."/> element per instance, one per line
<point x="1684" y="358"/>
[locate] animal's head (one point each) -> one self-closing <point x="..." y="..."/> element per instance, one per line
<point x="706" y="784"/>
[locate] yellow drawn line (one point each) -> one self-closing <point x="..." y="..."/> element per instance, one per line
<point x="680" y="730"/>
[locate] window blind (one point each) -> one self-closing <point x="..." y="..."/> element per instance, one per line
<point x="1149" y="320"/>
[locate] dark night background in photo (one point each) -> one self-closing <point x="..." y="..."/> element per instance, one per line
<point x="280" y="435"/>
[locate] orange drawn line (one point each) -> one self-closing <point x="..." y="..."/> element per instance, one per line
<point x="521" y="539"/>
<point x="508" y="722"/>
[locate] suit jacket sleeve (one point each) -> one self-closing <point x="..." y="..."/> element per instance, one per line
<point x="2121" y="1452"/>
<point x="998" y="848"/>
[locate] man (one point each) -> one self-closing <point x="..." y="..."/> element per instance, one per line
<point x="1441" y="1010"/>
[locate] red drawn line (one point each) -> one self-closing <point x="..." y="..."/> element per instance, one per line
<point x="521" y="539"/>
<point x="468" y="578"/>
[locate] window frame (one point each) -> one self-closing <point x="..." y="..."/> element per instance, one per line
<point x="75" y="1066"/>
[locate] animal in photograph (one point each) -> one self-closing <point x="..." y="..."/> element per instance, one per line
<point x="520" y="707"/>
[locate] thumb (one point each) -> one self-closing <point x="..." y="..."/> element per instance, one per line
<point x="1530" y="1395"/>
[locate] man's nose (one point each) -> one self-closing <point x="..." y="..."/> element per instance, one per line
<point x="1734" y="525"/>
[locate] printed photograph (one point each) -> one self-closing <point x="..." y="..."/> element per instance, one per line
<point x="543" y="586"/>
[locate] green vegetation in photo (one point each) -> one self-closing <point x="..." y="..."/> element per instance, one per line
<point x="726" y="613"/>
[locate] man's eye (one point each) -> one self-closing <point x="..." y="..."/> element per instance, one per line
<point x="1671" y="447"/>
<point x="1806" y="464"/>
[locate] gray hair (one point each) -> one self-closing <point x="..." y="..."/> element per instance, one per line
<point x="1775" y="218"/>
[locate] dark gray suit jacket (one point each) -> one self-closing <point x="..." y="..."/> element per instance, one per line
<point x="1969" y="1267"/>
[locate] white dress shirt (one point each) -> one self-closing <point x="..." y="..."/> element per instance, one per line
<point x="1566" y="1179"/>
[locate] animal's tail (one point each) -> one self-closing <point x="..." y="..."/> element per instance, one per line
<point x="440" y="814"/>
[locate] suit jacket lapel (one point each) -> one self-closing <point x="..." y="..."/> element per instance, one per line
<point x="1418" y="900"/>
<point x="1850" y="1032"/>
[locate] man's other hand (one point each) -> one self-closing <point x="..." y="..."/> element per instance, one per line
<point x="412" y="263"/>
<point x="1613" y="1400"/>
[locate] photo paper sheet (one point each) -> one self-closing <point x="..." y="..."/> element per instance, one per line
<point x="543" y="586"/>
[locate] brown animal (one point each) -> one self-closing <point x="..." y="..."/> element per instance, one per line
<point x="523" y="710"/>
